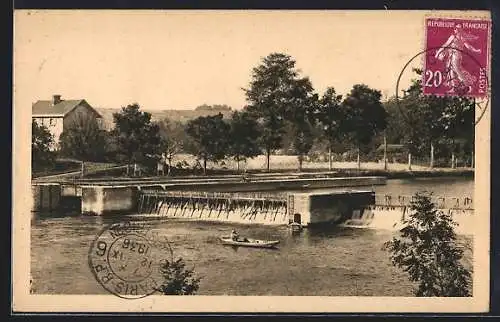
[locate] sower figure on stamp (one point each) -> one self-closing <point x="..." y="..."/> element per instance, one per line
<point x="451" y="52"/>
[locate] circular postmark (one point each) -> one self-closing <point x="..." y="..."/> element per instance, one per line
<point x="455" y="88"/>
<point x="126" y="260"/>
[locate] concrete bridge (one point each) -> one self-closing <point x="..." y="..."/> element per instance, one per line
<point x="121" y="195"/>
<point x="351" y="203"/>
<point x="217" y="184"/>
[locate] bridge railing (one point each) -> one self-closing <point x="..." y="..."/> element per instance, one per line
<point x="465" y="203"/>
<point x="215" y="195"/>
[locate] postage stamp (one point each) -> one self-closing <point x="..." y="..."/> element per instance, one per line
<point x="457" y="57"/>
<point x="126" y="260"/>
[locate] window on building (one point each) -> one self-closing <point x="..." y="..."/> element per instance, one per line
<point x="51" y="121"/>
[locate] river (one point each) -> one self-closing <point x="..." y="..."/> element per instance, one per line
<point x="332" y="262"/>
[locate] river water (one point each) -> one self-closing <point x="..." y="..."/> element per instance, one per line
<point x="327" y="262"/>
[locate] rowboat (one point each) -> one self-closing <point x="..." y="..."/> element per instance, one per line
<point x="295" y="226"/>
<point x="249" y="242"/>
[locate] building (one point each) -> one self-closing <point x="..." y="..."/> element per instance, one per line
<point x="58" y="114"/>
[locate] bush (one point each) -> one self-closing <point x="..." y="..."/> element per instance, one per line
<point x="429" y="252"/>
<point x="178" y="280"/>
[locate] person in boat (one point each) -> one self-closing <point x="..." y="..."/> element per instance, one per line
<point x="234" y="235"/>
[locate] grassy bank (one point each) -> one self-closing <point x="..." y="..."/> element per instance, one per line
<point x="280" y="164"/>
<point x="308" y="173"/>
<point x="65" y="166"/>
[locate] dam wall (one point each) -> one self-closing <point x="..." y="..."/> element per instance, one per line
<point x="391" y="218"/>
<point x="221" y="207"/>
<point x="348" y="208"/>
<point x="102" y="200"/>
<point x="302" y="208"/>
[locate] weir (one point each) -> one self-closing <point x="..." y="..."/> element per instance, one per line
<point x="228" y="207"/>
<point x="349" y="208"/>
<point x="303" y="208"/>
<point x="389" y="212"/>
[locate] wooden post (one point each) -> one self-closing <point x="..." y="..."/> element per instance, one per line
<point x="409" y="161"/>
<point x="359" y="161"/>
<point x="330" y="158"/>
<point x="82" y="170"/>
<point x="385" y="152"/>
<point x="268" y="160"/>
<point x="431" y="165"/>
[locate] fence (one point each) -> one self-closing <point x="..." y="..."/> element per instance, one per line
<point x="464" y="203"/>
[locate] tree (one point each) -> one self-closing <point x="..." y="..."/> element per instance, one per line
<point x="177" y="279"/>
<point x="173" y="136"/>
<point x="210" y="138"/>
<point x="332" y="119"/>
<point x="303" y="140"/>
<point x="428" y="251"/>
<point x="216" y="107"/>
<point x="365" y="115"/>
<point x="274" y="89"/>
<point x="301" y="112"/>
<point x="433" y="121"/>
<point x="397" y="125"/>
<point x="243" y="137"/>
<point x="136" y="136"/>
<point x="41" y="142"/>
<point x="83" y="140"/>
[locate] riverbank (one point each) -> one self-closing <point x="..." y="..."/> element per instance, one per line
<point x="407" y="174"/>
<point x="308" y="173"/>
<point x="309" y="170"/>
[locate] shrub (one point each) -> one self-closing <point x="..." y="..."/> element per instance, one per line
<point x="427" y="249"/>
<point x="177" y="279"/>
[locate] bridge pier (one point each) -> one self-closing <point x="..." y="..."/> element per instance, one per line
<point x="45" y="197"/>
<point x="103" y="200"/>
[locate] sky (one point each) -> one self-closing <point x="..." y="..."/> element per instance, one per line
<point x="183" y="59"/>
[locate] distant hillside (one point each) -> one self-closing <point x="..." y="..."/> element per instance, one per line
<point x="182" y="116"/>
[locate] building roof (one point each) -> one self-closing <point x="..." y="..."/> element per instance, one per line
<point x="60" y="109"/>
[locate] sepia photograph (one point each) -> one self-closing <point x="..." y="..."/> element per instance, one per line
<point x="251" y="161"/>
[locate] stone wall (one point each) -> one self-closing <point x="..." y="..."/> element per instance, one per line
<point x="45" y="197"/>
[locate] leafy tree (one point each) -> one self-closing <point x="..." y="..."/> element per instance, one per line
<point x="332" y="119"/>
<point x="41" y="143"/>
<point x="397" y="125"/>
<point x="436" y="120"/>
<point x="243" y="137"/>
<point x="136" y="136"/>
<point x="215" y="107"/>
<point x="365" y="115"/>
<point x="302" y="112"/>
<point x="177" y="279"/>
<point x="274" y="90"/>
<point x="173" y="136"/>
<point x="83" y="139"/>
<point x="428" y="251"/>
<point x="210" y="138"/>
<point x="303" y="139"/>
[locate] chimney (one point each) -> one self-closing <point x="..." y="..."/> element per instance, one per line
<point x="56" y="99"/>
